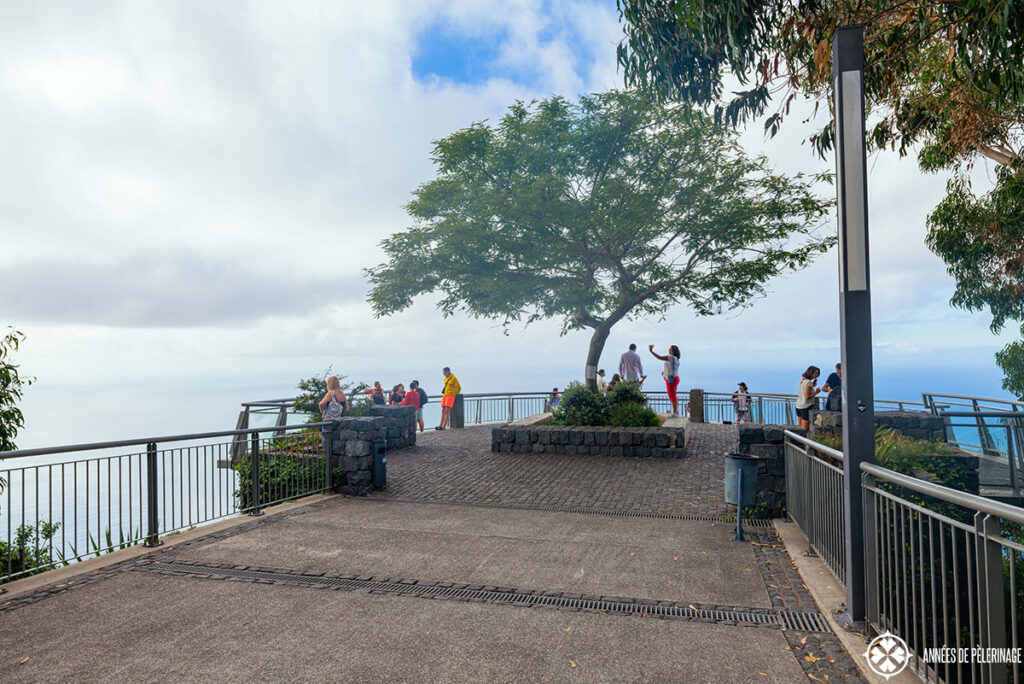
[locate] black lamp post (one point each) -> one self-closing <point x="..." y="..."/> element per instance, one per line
<point x="855" y="299"/>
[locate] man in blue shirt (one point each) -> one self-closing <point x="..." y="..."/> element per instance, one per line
<point x="834" y="386"/>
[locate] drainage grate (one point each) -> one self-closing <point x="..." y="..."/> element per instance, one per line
<point x="751" y="522"/>
<point x="804" y="622"/>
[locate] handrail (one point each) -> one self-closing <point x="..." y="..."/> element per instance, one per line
<point x="967" y="396"/>
<point x="828" y="451"/>
<point x="4" y="455"/>
<point x="978" y="503"/>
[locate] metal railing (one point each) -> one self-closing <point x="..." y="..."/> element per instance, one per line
<point x="57" y="509"/>
<point x="815" y="499"/>
<point x="780" y="409"/>
<point x="943" y="572"/>
<point x="944" y="568"/>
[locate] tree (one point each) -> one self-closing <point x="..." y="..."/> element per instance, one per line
<point x="11" y="385"/>
<point x="592" y="212"/>
<point x="946" y="74"/>
<point x="981" y="239"/>
<point x="944" y="77"/>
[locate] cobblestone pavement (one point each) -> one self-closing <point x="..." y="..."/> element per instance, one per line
<point x="457" y="466"/>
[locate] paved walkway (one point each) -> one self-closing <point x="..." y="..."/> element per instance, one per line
<point x="457" y="466"/>
<point x="431" y="582"/>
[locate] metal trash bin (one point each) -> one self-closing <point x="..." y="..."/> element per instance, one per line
<point x="380" y="465"/>
<point x="734" y="465"/>
<point x="740" y="484"/>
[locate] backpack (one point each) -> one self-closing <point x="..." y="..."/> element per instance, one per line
<point x="423" y="396"/>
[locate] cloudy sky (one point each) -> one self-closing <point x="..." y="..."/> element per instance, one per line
<point x="189" y="192"/>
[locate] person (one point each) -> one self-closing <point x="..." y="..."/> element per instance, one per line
<point x="741" y="403"/>
<point x="616" y="379"/>
<point x="670" y="373"/>
<point x="414" y="386"/>
<point x="805" y="396"/>
<point x="630" y="366"/>
<point x="554" y="398"/>
<point x="412" y="398"/>
<point x="602" y="384"/>
<point x="397" y="395"/>
<point x="834" y="386"/>
<point x="451" y="388"/>
<point x="378" y="393"/>
<point x="335" y="402"/>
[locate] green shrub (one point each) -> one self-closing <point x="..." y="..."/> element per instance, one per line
<point x="28" y="552"/>
<point x="627" y="392"/>
<point x="624" y="406"/>
<point x="580" y="406"/>
<point x="289" y="468"/>
<point x="631" y="414"/>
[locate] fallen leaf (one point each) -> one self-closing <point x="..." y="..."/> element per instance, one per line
<point x="568" y="628"/>
<point x="811" y="659"/>
<point x="803" y="641"/>
<point x="561" y="647"/>
<point x="692" y="607"/>
<point x="572" y="664"/>
<point x="675" y="557"/>
<point x="631" y="553"/>
<point x="24" y="660"/>
<point x="761" y="673"/>
<point x="813" y="677"/>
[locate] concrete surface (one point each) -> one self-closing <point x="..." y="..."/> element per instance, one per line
<point x="186" y="629"/>
<point x="829" y="594"/>
<point x="632" y="557"/>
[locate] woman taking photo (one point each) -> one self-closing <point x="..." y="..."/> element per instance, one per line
<point x="805" y="396"/>
<point x="670" y="373"/>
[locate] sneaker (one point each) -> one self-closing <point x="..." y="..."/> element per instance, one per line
<point x="439" y="428"/>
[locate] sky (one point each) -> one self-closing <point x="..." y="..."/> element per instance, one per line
<point x="190" y="192"/>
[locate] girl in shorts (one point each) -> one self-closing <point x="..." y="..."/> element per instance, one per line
<point x="805" y="396"/>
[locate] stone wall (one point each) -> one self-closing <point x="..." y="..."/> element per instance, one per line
<point x="766" y="442"/>
<point x="352" y="447"/>
<point x="647" y="442"/>
<point x="913" y="424"/>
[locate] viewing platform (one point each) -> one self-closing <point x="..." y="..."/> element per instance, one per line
<point x="538" y="566"/>
<point x="627" y="566"/>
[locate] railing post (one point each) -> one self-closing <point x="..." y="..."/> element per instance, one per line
<point x="867" y="483"/>
<point x="479" y="414"/>
<point x="511" y="408"/>
<point x="458" y="417"/>
<point x="696" y="406"/>
<point x="153" y="528"/>
<point x="991" y="590"/>
<point x="327" y="434"/>
<point x="254" y="474"/>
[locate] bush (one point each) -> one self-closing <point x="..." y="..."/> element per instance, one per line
<point x="632" y="414"/>
<point x="580" y="406"/>
<point x="289" y="468"/>
<point x="29" y="551"/>
<point x="627" y="392"/>
<point x="624" y="406"/>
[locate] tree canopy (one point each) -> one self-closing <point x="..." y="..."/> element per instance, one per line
<point x="942" y="78"/>
<point x="11" y="387"/>
<point x="945" y="74"/>
<point x="593" y="211"/>
<point x="981" y="239"/>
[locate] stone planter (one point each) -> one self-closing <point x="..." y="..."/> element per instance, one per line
<point x="646" y="442"/>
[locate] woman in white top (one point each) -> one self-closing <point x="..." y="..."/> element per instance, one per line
<point x="805" y="396"/>
<point x="671" y="374"/>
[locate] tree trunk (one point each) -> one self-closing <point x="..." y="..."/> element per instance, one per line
<point x="597" y="341"/>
